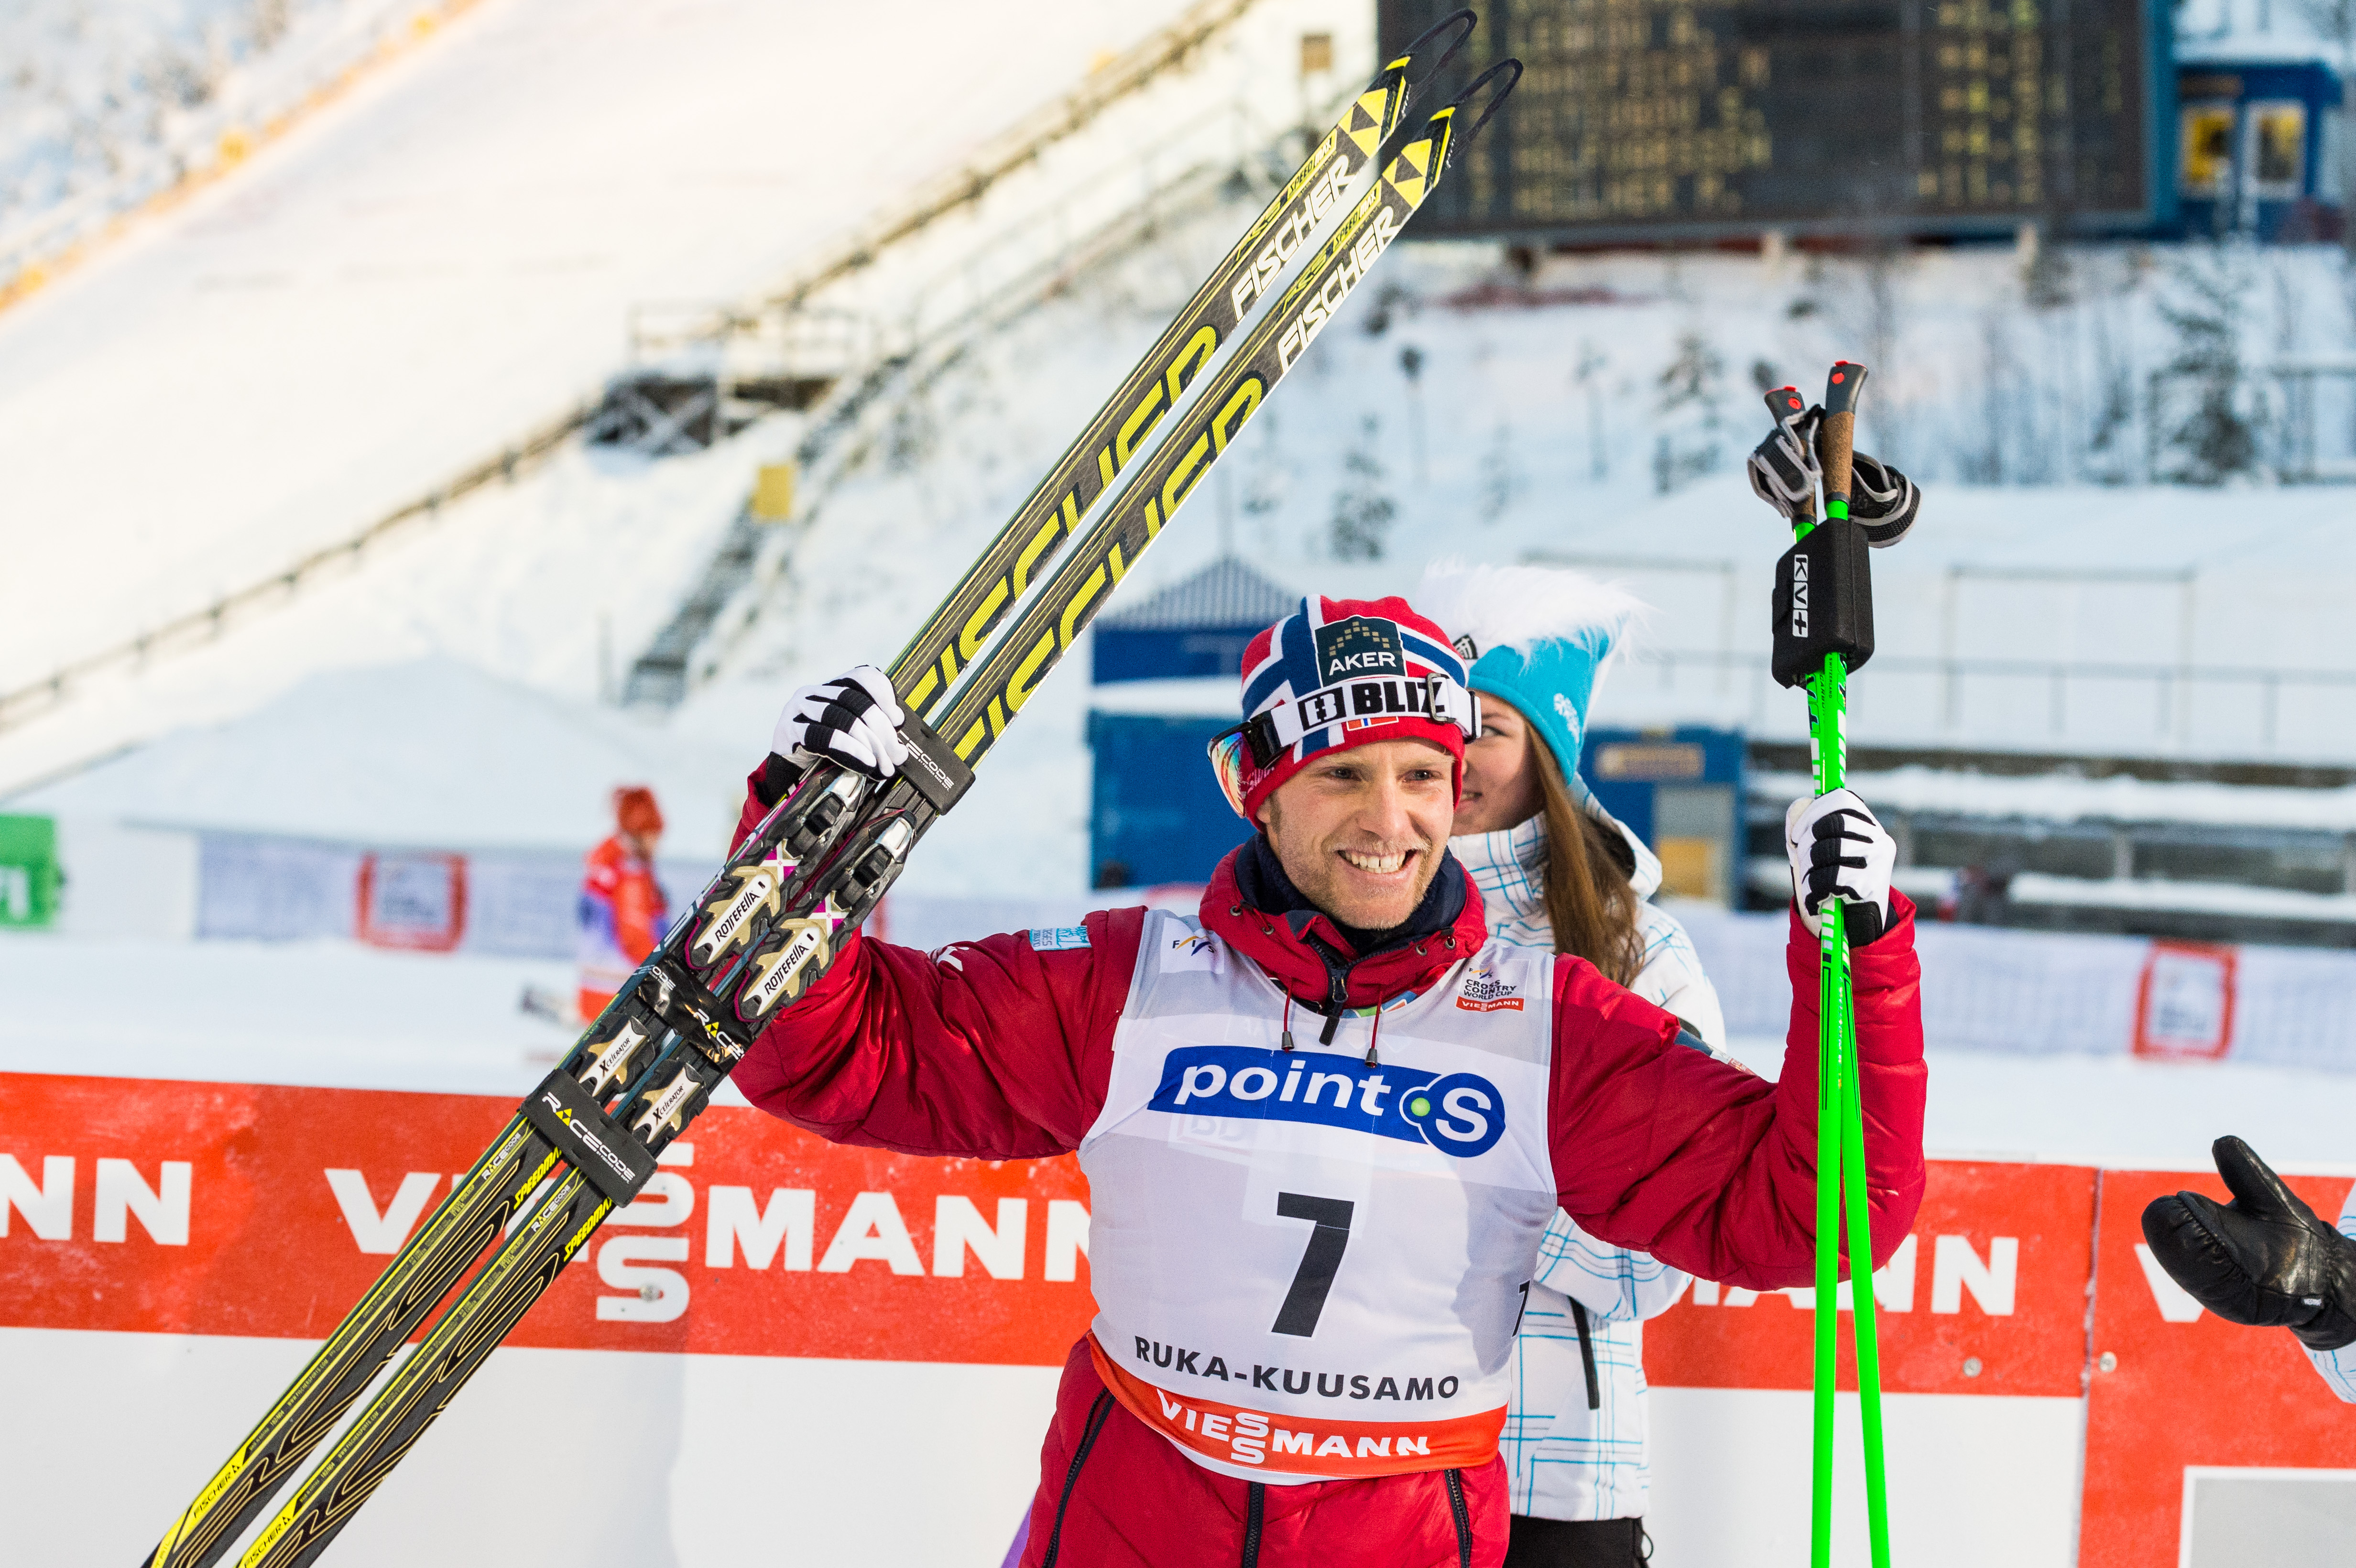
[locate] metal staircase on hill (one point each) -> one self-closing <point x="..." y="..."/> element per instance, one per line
<point x="658" y="676"/>
<point x="1219" y="157"/>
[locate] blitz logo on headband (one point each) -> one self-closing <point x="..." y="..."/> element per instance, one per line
<point x="1359" y="702"/>
<point x="1357" y="647"/>
<point x="1458" y="1114"/>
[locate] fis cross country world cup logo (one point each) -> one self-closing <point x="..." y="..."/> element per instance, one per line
<point x="1458" y="1114"/>
<point x="1357" y="647"/>
<point x="1485" y="993"/>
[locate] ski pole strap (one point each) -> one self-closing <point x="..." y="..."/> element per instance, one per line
<point x="1277" y="731"/>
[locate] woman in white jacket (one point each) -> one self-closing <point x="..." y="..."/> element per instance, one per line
<point x="1555" y="870"/>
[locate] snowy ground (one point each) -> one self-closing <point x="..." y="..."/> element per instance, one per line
<point x="326" y="1014"/>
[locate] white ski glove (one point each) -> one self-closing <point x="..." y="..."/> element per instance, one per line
<point x="851" y="719"/>
<point x="1840" y="850"/>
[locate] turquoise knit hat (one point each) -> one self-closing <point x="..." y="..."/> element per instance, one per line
<point x="1538" y="638"/>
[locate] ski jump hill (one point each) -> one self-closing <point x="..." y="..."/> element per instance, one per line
<point x="426" y="283"/>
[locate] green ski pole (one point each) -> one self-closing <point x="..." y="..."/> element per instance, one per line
<point x="1840" y="1129"/>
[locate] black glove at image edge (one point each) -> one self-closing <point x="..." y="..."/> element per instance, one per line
<point x="2264" y="1261"/>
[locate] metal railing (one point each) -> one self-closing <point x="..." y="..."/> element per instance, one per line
<point x="207" y="625"/>
<point x="2171" y="683"/>
<point x="2291" y="401"/>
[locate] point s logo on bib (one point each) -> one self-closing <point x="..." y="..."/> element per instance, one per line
<point x="1458" y="1114"/>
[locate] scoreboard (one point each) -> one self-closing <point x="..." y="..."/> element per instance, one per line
<point x="1662" y="119"/>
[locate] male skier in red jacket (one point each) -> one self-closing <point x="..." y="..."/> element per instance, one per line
<point x="1325" y="1123"/>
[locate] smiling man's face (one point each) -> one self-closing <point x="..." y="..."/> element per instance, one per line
<point x="1361" y="832"/>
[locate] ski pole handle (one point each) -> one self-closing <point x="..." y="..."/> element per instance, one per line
<point x="1837" y="434"/>
<point x="1784" y="404"/>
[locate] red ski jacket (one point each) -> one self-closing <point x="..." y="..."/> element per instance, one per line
<point x="993" y="1050"/>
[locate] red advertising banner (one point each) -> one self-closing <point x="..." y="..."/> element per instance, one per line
<point x="231" y="1209"/>
<point x="1988" y="1296"/>
<point x="2175" y="1388"/>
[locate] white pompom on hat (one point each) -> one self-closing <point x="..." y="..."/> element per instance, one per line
<point x="1538" y="636"/>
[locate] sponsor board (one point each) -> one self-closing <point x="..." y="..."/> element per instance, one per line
<point x="215" y="1209"/>
<point x="1460" y="1114"/>
<point x="1985" y="1296"/>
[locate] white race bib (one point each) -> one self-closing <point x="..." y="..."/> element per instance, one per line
<point x="1308" y="1265"/>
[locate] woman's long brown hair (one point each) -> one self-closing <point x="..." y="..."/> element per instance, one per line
<point x="1590" y="901"/>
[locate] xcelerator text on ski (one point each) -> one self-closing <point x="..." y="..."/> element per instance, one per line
<point x="765" y="928"/>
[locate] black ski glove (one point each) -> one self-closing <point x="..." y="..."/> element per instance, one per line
<point x="2265" y="1259"/>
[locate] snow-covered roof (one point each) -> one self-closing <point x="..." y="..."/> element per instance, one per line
<point x="2249" y="32"/>
<point x="1224" y="593"/>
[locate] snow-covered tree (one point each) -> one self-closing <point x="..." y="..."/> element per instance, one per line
<point x="1692" y="392"/>
<point x="2216" y="410"/>
<point x="1363" y="509"/>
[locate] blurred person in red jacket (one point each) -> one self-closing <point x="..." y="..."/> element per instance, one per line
<point x="1327" y="1122"/>
<point x="621" y="913"/>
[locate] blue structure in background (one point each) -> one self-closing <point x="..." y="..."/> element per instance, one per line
<point x="1681" y="791"/>
<point x="2250" y="148"/>
<point x="1190" y="630"/>
<point x="1155" y="813"/>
